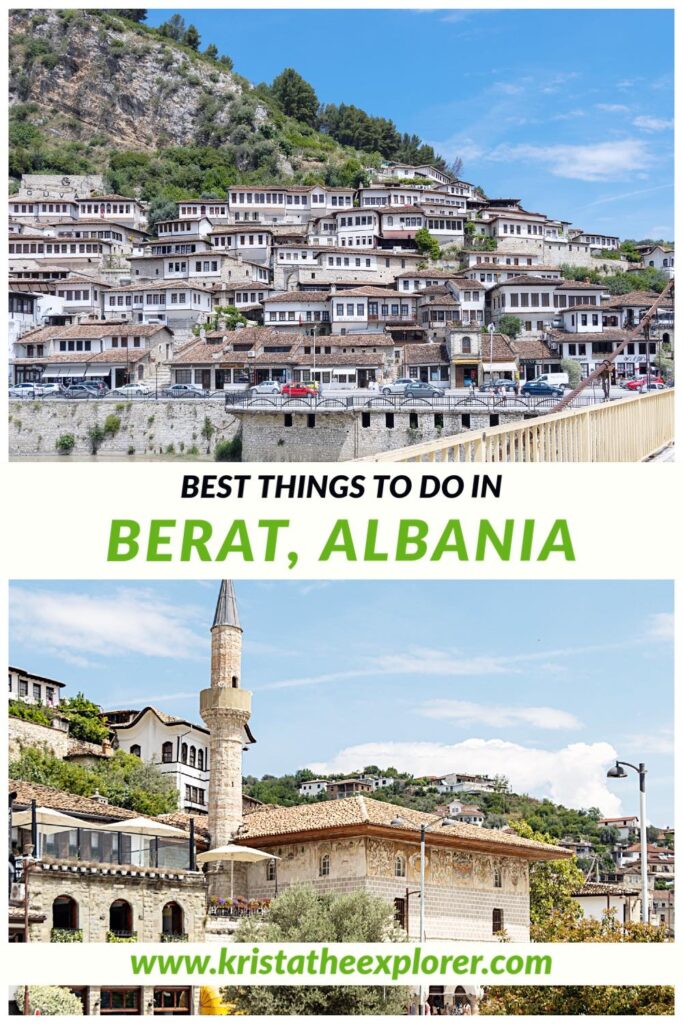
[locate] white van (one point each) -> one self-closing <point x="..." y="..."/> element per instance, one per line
<point x="558" y="380"/>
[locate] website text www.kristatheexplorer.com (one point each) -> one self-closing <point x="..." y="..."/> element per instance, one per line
<point x="323" y="964"/>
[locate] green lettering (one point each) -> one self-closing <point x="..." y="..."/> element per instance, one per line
<point x="195" y="535"/>
<point x="452" y="539"/>
<point x="411" y="534"/>
<point x="272" y="526"/>
<point x="563" y="545"/>
<point x="339" y="541"/>
<point x="157" y="540"/>
<point x="503" y="547"/>
<point x="236" y="542"/>
<point x="119" y="539"/>
<point x="371" y="554"/>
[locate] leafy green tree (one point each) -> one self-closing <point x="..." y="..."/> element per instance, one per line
<point x="50" y="1001"/>
<point x="192" y="37"/>
<point x="427" y="244"/>
<point x="174" y="28"/>
<point x="578" y="1000"/>
<point x="30" y="712"/>
<point x="160" y="210"/>
<point x="301" y="915"/>
<point x="124" y="779"/>
<point x="211" y="51"/>
<point x="628" y="250"/>
<point x="510" y="325"/>
<point x="295" y="97"/>
<point x="551" y="882"/>
<point x="130" y="13"/>
<point x="573" y="371"/>
<point x="85" y="722"/>
<point x="226" y="61"/>
<point x="229" y="316"/>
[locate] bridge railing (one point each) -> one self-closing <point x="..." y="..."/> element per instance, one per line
<point x="627" y="431"/>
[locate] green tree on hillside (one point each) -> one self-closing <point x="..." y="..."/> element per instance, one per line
<point x="551" y="882"/>
<point x="295" y="97"/>
<point x="174" y="28"/>
<point x="211" y="51"/>
<point x="192" y="37"/>
<point x="300" y="914"/>
<point x="84" y="718"/>
<point x="510" y="325"/>
<point x="427" y="244"/>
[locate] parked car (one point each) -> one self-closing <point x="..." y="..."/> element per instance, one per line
<point x="132" y="390"/>
<point x="96" y="385"/>
<point x="81" y="391"/>
<point x="266" y="387"/>
<point x="48" y="388"/>
<point x="397" y="387"/>
<point x="559" y="380"/>
<point x="423" y="389"/>
<point x="27" y="390"/>
<point x="655" y="385"/>
<point x="184" y="391"/>
<point x="541" y="388"/>
<point x="502" y="383"/>
<point x="297" y="390"/>
<point x="636" y="383"/>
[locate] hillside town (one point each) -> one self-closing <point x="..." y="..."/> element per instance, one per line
<point x="416" y="275"/>
<point x="84" y="869"/>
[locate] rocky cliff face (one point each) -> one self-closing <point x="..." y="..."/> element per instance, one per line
<point x="95" y="75"/>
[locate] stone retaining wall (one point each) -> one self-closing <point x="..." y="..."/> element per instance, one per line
<point x="167" y="427"/>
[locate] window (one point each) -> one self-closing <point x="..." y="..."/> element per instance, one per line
<point x="37" y="693"/>
<point x="324" y="866"/>
<point x="120" y="1000"/>
<point x="65" y="913"/>
<point x="400" y="866"/>
<point x="121" y="918"/>
<point x="497" y="878"/>
<point x="172" y="919"/>
<point x="174" y="1001"/>
<point x="270" y="871"/>
<point x="183" y="753"/>
<point x="200" y="760"/>
<point x="497" y="921"/>
<point x="23" y="688"/>
<point x="135" y="749"/>
<point x="193" y="757"/>
<point x="400" y="911"/>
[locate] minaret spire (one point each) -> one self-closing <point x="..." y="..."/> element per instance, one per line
<point x="226" y="607"/>
<point x="225" y="708"/>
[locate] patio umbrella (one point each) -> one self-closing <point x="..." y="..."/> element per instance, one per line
<point x="144" y="827"/>
<point x="232" y="852"/>
<point x="48" y="819"/>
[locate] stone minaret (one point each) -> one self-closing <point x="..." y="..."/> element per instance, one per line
<point x="225" y="709"/>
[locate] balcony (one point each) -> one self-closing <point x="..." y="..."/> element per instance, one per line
<point x="66" y="935"/>
<point x="236" y="907"/>
<point x="116" y="936"/>
<point x="174" y="937"/>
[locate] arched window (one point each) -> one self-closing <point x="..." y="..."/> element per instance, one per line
<point x="466" y="345"/>
<point x="200" y="760"/>
<point x="183" y="753"/>
<point x="172" y="919"/>
<point x="193" y="757"/>
<point x="235" y="682"/>
<point x="270" y="871"/>
<point x="400" y="866"/>
<point x="497" y="878"/>
<point x="65" y="913"/>
<point x="135" y="749"/>
<point x="121" y="918"/>
<point x="324" y="866"/>
<point x="167" y="752"/>
<point x="497" y="921"/>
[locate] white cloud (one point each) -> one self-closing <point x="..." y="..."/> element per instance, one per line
<point x="498" y="715"/>
<point x="570" y="115"/>
<point x="660" y="626"/>
<point x="75" y="625"/>
<point x="612" y="108"/>
<point x="600" y="162"/>
<point x="574" y="776"/>
<point x="653" y="124"/>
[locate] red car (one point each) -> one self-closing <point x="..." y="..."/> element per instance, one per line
<point x="295" y="390"/>
<point x="638" y="382"/>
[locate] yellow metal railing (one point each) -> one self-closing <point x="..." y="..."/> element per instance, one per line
<point x="627" y="430"/>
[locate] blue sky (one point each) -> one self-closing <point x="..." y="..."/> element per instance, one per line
<point x="540" y="681"/>
<point x="569" y="110"/>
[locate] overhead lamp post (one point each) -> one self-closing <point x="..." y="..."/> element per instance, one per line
<point x="617" y="772"/>
<point x="424" y="828"/>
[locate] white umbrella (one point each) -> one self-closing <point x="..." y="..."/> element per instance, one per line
<point x="232" y="852"/>
<point x="143" y="827"/>
<point x="49" y="820"/>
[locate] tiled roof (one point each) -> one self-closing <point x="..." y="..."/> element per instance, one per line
<point x="150" y="284"/>
<point x="280" y="297"/>
<point x="46" y="796"/>
<point x="635" y="299"/>
<point x="571" y="286"/>
<point x="363" y="813"/>
<point x="372" y="291"/>
<point x="532" y="348"/>
<point x="95" y="329"/>
<point x="605" y="889"/>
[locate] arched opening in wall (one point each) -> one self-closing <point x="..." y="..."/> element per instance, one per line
<point x="193" y="757"/>
<point x="121" y="919"/>
<point x="400" y="866"/>
<point x="183" y="753"/>
<point x="136" y="749"/>
<point x="172" y="919"/>
<point x="235" y="683"/>
<point x="200" y="760"/>
<point x="65" y="913"/>
<point x="324" y="866"/>
<point x="666" y="338"/>
<point x="167" y="752"/>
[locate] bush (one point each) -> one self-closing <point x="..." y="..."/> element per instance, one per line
<point x="96" y="436"/>
<point x="228" y="451"/>
<point x="84" y="719"/>
<point x="29" y="712"/>
<point x="65" y="444"/>
<point x="50" y="1001"/>
<point x="112" y="425"/>
<point x="573" y="371"/>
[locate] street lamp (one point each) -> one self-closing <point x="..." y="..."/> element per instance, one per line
<point x="491" y="328"/>
<point x="617" y="772"/>
<point x="26" y="864"/>
<point x="443" y="821"/>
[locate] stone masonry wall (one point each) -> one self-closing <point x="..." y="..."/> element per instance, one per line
<point x="94" y="891"/>
<point x="146" y="427"/>
<point x="28" y="734"/>
<point x="340" y="436"/>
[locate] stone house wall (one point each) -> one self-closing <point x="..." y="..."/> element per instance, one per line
<point x="29" y="734"/>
